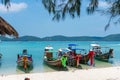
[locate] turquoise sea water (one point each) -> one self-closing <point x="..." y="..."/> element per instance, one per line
<point x="36" y="48"/>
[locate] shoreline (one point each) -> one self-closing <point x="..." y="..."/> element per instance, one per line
<point x="109" y="73"/>
<point x="46" y="68"/>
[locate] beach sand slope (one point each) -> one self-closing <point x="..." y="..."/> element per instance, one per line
<point x="111" y="73"/>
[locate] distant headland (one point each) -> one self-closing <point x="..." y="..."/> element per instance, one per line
<point x="112" y="37"/>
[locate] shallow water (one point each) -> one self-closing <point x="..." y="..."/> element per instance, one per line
<point x="36" y="48"/>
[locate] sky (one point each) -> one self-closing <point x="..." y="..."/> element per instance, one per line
<point x="29" y="17"/>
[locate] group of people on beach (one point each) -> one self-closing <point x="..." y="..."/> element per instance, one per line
<point x="71" y="58"/>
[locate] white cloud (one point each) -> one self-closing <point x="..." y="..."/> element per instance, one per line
<point x="103" y="4"/>
<point x="15" y="7"/>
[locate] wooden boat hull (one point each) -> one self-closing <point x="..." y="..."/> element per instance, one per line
<point x="29" y="67"/>
<point x="84" y="59"/>
<point x="25" y="63"/>
<point x="21" y="63"/>
<point x="56" y="63"/>
<point x="100" y="59"/>
<point x="104" y="57"/>
<point x="20" y="66"/>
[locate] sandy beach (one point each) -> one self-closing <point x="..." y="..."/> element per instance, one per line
<point x="111" y="73"/>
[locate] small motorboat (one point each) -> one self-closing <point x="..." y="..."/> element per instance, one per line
<point x="24" y="61"/>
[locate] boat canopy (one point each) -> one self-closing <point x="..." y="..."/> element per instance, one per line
<point x="72" y="44"/>
<point x="79" y="49"/>
<point x="49" y="47"/>
<point x="95" y="45"/>
<point x="64" y="50"/>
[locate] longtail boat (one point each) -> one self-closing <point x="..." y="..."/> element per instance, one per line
<point x="50" y="60"/>
<point x="102" y="53"/>
<point x="79" y="51"/>
<point x="24" y="61"/>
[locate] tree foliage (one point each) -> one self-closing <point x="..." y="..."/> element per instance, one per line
<point x="73" y="8"/>
<point x="113" y="11"/>
<point x="60" y="8"/>
<point x="6" y="3"/>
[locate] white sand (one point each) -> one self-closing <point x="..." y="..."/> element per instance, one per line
<point x="111" y="73"/>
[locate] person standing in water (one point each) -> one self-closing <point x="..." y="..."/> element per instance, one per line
<point x="64" y="60"/>
<point x="78" y="57"/>
<point x="91" y="57"/>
